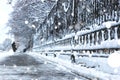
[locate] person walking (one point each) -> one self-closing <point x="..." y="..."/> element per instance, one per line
<point x="14" y="47"/>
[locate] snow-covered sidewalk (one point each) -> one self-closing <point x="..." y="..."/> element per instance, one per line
<point x="100" y="71"/>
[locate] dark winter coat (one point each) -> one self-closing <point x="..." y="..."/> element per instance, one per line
<point x="14" y="46"/>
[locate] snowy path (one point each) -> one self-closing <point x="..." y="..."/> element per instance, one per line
<point x="66" y="65"/>
<point x="90" y="73"/>
<point x="20" y="67"/>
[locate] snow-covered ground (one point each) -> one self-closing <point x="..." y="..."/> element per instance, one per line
<point x="4" y="54"/>
<point x="29" y="67"/>
<point x="92" y="67"/>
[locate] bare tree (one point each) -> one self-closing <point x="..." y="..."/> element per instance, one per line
<point x="26" y="18"/>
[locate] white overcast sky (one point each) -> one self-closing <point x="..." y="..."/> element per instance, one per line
<point x="5" y="10"/>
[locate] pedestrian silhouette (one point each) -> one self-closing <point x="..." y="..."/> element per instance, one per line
<point x="14" y="47"/>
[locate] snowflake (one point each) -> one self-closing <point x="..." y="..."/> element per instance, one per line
<point x="14" y="66"/>
<point x="113" y="60"/>
<point x="26" y="22"/>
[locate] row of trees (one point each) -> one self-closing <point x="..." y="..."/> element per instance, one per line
<point x="26" y="18"/>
